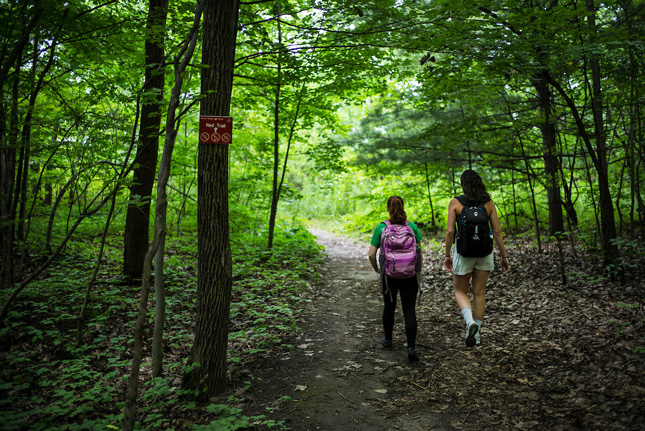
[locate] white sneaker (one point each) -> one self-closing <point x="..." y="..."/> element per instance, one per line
<point x="471" y="331"/>
<point x="477" y="340"/>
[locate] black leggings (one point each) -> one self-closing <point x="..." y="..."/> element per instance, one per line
<point x="408" y="288"/>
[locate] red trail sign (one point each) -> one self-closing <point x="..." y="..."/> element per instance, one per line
<point x="215" y="130"/>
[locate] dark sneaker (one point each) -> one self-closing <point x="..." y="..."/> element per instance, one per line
<point x="412" y="354"/>
<point x="387" y="344"/>
<point x="470" y="334"/>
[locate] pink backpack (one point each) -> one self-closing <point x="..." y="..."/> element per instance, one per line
<point x="398" y="250"/>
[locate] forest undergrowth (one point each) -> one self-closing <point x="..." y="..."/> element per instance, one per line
<point x="50" y="382"/>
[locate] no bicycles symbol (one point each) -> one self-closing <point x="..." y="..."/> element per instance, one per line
<point x="215" y="130"/>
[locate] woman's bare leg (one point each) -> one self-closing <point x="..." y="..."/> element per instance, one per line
<point x="461" y="283"/>
<point x="479" y="293"/>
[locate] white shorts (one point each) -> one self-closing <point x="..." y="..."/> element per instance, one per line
<point x="465" y="265"/>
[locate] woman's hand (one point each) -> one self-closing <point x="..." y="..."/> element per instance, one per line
<point x="447" y="264"/>
<point x="371" y="254"/>
<point x="504" y="264"/>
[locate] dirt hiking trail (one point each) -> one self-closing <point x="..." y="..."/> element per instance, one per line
<point x="338" y="376"/>
<point x="552" y="356"/>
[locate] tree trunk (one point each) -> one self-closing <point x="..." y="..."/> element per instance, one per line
<point x="569" y="207"/>
<point x="527" y="166"/>
<point x="160" y="305"/>
<point x="599" y="159"/>
<point x="181" y="62"/>
<point x="620" y="192"/>
<point x="18" y="188"/>
<point x="22" y="180"/>
<point x="47" y="198"/>
<point x="156" y="250"/>
<point x="138" y="215"/>
<point x="214" y="252"/>
<point x="12" y="57"/>
<point x="514" y="203"/>
<point x="635" y="135"/>
<point x="276" y="142"/>
<point x="549" y="154"/>
<point x="434" y="224"/>
<point x="7" y="177"/>
<point x="607" y="223"/>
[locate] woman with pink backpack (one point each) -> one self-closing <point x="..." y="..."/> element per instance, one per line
<point x="399" y="241"/>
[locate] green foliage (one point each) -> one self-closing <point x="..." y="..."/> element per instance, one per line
<point x="230" y="419"/>
<point x="632" y="256"/>
<point x="70" y="386"/>
<point x="586" y="277"/>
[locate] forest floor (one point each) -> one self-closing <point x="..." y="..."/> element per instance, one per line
<point x="553" y="356"/>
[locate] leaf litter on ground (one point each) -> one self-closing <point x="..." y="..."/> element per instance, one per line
<point x="553" y="356"/>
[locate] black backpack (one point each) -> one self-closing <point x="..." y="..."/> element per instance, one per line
<point x="473" y="230"/>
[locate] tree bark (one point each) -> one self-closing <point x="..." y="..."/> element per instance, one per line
<point x="607" y="222"/>
<point x="22" y="179"/>
<point x="276" y="141"/>
<point x="181" y="62"/>
<point x="214" y="253"/>
<point x="567" y="187"/>
<point x="8" y="146"/>
<point x="549" y="154"/>
<point x="433" y="222"/>
<point x="138" y="215"/>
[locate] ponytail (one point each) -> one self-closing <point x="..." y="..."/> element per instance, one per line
<point x="395" y="208"/>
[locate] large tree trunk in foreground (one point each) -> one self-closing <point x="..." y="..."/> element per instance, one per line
<point x="214" y="253"/>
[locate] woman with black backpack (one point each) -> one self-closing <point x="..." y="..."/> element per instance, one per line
<point x="475" y="216"/>
<point x="400" y="260"/>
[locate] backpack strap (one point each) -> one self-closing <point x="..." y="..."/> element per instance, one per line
<point x="381" y="262"/>
<point x="386" y="223"/>
<point x="465" y="202"/>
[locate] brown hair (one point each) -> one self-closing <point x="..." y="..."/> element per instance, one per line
<point x="473" y="187"/>
<point x="395" y="208"/>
